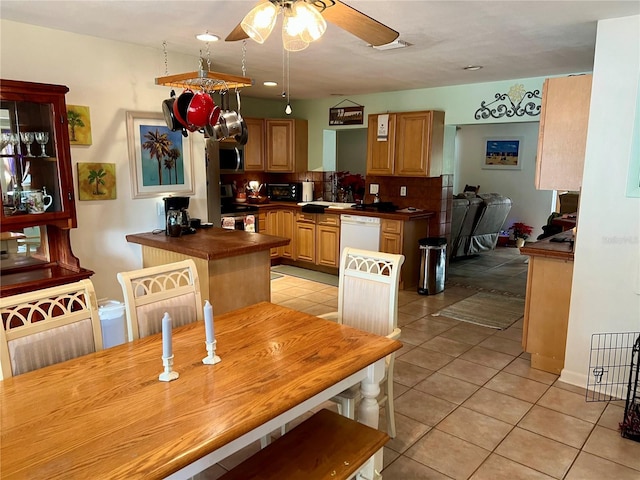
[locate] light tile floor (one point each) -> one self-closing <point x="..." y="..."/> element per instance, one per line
<point x="468" y="405"/>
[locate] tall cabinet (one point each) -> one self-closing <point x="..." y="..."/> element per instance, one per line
<point x="562" y="138"/>
<point x="38" y="202"/>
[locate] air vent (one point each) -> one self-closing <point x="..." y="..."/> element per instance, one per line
<point x="392" y="46"/>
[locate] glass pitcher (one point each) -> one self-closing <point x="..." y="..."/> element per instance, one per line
<point x="174" y="223"/>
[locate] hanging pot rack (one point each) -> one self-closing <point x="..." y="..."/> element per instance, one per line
<point x="209" y="81"/>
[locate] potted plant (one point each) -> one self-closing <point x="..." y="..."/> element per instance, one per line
<point x="521" y="232"/>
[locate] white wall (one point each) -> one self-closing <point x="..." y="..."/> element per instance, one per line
<point x="111" y="78"/>
<point x="605" y="293"/>
<point x="530" y="206"/>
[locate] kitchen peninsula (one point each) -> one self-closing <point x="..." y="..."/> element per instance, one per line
<point x="233" y="265"/>
<point x="546" y="310"/>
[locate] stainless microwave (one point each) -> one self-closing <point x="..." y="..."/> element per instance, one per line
<point x="231" y="157"/>
<point x="284" y="192"/>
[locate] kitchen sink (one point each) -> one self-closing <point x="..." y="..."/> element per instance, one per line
<point x="334" y="205"/>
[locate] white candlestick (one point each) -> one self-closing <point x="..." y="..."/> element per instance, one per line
<point x="208" y="322"/>
<point x="167" y="349"/>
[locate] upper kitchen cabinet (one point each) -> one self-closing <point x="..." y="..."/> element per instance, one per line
<point x="286" y="145"/>
<point x="562" y="138"/>
<point x="413" y="147"/>
<point x="38" y="204"/>
<point x="381" y="152"/>
<point x="254" y="149"/>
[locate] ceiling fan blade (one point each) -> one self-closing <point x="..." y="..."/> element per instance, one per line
<point x="238" y="33"/>
<point x="358" y="23"/>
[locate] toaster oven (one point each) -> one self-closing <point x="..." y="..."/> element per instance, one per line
<point x="284" y="192"/>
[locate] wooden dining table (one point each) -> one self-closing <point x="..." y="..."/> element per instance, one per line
<point x="106" y="415"/>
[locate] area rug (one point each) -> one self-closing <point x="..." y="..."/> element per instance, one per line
<point x="312" y="275"/>
<point x="275" y="276"/>
<point x="486" y="309"/>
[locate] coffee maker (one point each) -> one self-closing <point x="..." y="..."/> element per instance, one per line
<point x="178" y="221"/>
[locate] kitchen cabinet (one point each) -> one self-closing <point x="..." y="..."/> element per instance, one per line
<point x="401" y="237"/>
<point x="280" y="222"/>
<point x="37" y="188"/>
<point x="254" y="149"/>
<point x="318" y="239"/>
<point x="305" y="242"/>
<point x="413" y="147"/>
<point x="328" y="240"/>
<point x="562" y="137"/>
<point x="381" y="154"/>
<point x="286" y="145"/>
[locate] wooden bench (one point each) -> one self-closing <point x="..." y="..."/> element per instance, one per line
<point x="325" y="446"/>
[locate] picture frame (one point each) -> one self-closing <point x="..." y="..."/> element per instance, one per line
<point x="503" y="153"/>
<point x="96" y="181"/>
<point x="79" y="121"/>
<point x="153" y="174"/>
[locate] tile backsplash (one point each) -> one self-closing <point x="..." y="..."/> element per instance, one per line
<point x="433" y="194"/>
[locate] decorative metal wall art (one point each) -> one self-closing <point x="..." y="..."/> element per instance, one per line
<point x="346" y="115"/>
<point x="512" y="106"/>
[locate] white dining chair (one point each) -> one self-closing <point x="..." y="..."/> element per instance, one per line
<point x="368" y="300"/>
<point x="152" y="291"/>
<point x="48" y="326"/>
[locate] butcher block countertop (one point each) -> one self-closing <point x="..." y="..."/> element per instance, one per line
<point x="210" y="243"/>
<point x="547" y="247"/>
<point x="368" y="212"/>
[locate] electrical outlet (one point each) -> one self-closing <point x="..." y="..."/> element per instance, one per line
<point x="374" y="188"/>
<point x="403" y="191"/>
<point x="160" y="207"/>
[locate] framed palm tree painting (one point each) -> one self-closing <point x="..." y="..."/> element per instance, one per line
<point x="160" y="160"/>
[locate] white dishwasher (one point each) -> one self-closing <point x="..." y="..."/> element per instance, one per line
<point x="357" y="231"/>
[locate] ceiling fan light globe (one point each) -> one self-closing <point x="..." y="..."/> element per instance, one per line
<point x="259" y="22"/>
<point x="313" y="24"/>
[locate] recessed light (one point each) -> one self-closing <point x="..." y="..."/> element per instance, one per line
<point x="207" y="37"/>
<point x="472" y="68"/>
<point x="269" y="83"/>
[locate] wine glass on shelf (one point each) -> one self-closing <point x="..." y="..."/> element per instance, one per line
<point x="27" y="138"/>
<point x="14" y="140"/>
<point x="4" y="140"/>
<point x="42" y="138"/>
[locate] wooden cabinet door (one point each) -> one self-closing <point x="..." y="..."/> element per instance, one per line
<point x="305" y="242"/>
<point x="381" y="154"/>
<point x="285" y="223"/>
<point x="562" y="138"/>
<point x="286" y="145"/>
<point x="328" y="245"/>
<point x="419" y="144"/>
<point x="271" y="228"/>
<point x="391" y="236"/>
<point x="254" y="149"/>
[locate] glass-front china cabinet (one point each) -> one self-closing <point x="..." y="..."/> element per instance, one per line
<point x="38" y="202"/>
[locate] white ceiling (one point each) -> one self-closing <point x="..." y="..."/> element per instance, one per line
<point x="511" y="39"/>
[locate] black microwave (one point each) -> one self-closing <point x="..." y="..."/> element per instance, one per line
<point x="231" y="157"/>
<point x="284" y="192"/>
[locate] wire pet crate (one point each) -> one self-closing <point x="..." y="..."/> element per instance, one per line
<point x="613" y="374"/>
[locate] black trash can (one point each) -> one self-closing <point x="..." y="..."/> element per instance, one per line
<point x="433" y="255"/>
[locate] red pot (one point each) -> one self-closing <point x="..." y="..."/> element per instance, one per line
<point x="199" y="109"/>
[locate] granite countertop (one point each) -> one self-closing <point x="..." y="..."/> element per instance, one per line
<point x="368" y="212"/>
<point x="560" y="248"/>
<point x="210" y="243"/>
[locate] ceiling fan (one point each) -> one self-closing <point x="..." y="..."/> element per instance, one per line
<point x="334" y="11"/>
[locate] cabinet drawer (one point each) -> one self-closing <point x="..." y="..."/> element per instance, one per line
<point x="305" y="217"/>
<point x="391" y="226"/>
<point x="329" y="220"/>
